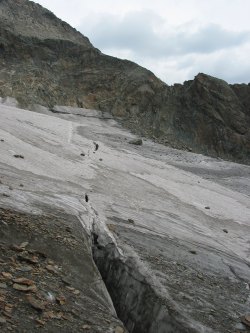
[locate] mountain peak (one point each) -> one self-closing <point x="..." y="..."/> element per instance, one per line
<point x="30" y="19"/>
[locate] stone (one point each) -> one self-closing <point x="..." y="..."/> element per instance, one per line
<point x="119" y="329"/>
<point x="51" y="269"/>
<point x="7" y="275"/>
<point x="35" y="303"/>
<point x="30" y="260"/>
<point x="40" y="322"/>
<point x="24" y="244"/>
<point x="61" y="300"/>
<point x="18" y="156"/>
<point x="3" y="285"/>
<point x="8" y="308"/>
<point x="23" y="281"/>
<point x="25" y="268"/>
<point x="136" y="142"/>
<point x="25" y="288"/>
<point x="2" y="320"/>
<point x="246" y="320"/>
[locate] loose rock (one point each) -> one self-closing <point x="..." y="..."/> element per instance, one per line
<point x="7" y="275"/>
<point x="136" y="142"/>
<point x="23" y="281"/>
<point x="246" y="320"/>
<point x="3" y="285"/>
<point x="119" y="329"/>
<point x="18" y="156"/>
<point x="35" y="303"/>
<point x="24" y="288"/>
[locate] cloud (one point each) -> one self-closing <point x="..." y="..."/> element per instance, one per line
<point x="147" y="34"/>
<point x="231" y="65"/>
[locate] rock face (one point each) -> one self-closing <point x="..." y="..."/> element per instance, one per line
<point x="45" y="61"/>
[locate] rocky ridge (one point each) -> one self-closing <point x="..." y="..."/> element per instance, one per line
<point x="45" y="61"/>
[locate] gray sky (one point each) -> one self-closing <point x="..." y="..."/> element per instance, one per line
<point x="175" y="39"/>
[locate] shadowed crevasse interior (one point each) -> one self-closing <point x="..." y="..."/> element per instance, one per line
<point x="135" y="300"/>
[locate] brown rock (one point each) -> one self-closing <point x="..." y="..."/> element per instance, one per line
<point x="35" y="303"/>
<point x="53" y="315"/>
<point x="8" y="308"/>
<point x="61" y="300"/>
<point x="51" y="269"/>
<point x="7" y="275"/>
<point x="119" y="329"/>
<point x="247" y="317"/>
<point x="40" y="322"/>
<point x="246" y="320"/>
<point x="86" y="327"/>
<point x="16" y="248"/>
<point x="30" y="260"/>
<point x="23" y="281"/>
<point x="24" y="245"/>
<point x="24" y="288"/>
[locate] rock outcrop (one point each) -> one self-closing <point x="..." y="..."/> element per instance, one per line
<point x="45" y="61"/>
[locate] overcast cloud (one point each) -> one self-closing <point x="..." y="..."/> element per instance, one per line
<point x="175" y="39"/>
